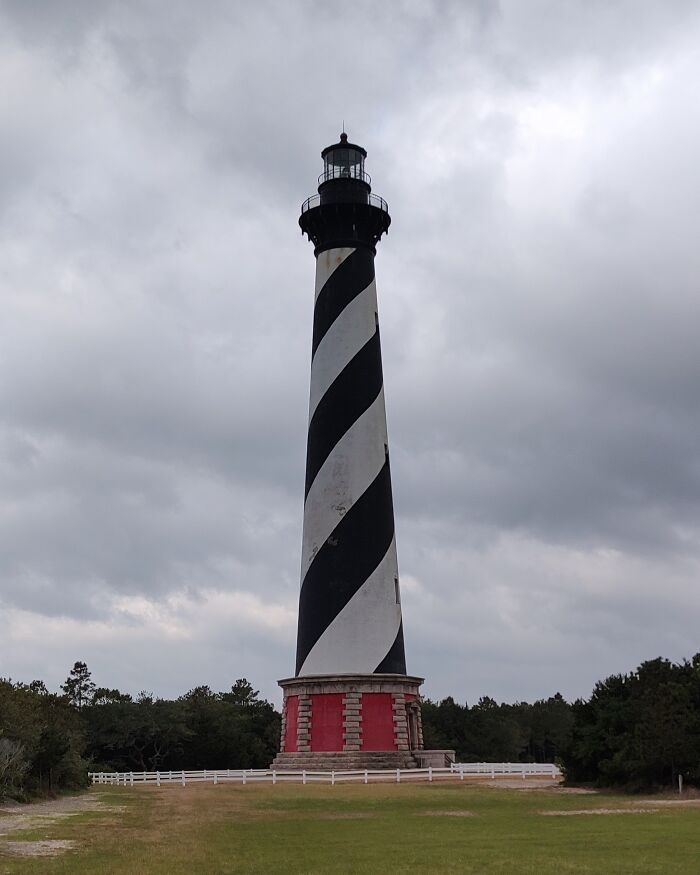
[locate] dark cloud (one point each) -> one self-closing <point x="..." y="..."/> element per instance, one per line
<point x="539" y="307"/>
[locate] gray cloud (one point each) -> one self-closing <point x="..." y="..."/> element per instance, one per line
<point x="539" y="306"/>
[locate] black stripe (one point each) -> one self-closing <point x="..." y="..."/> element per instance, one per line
<point x="345" y="283"/>
<point x="346" y="399"/>
<point x="349" y="556"/>
<point x="395" y="660"/>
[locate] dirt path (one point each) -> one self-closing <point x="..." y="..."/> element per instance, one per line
<point x="14" y="816"/>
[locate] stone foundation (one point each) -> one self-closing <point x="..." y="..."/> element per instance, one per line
<point x="438" y="759"/>
<point x="350" y="721"/>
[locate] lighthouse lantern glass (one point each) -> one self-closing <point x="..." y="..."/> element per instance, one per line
<point x="344" y="163"/>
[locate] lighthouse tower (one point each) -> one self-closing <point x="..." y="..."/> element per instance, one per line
<point x="350" y="703"/>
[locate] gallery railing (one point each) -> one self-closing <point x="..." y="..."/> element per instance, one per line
<point x="372" y="199"/>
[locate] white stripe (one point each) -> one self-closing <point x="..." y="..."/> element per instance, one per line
<point x="356" y="324"/>
<point x="350" y="468"/>
<point x="327" y="262"/>
<point x="359" y="638"/>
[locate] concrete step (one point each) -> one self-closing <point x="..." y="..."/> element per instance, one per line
<point x="329" y="761"/>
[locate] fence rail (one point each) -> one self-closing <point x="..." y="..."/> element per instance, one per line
<point x="307" y="776"/>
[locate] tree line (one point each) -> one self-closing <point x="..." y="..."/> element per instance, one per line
<point x="637" y="731"/>
<point x="49" y="741"/>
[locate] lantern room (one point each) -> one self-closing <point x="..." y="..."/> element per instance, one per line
<point x="344" y="160"/>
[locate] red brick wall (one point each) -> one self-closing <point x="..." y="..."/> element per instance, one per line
<point x="291" y="705"/>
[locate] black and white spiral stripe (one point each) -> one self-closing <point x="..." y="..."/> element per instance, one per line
<point x="349" y="611"/>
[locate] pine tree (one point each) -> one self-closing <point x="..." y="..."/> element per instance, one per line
<point x="79" y="686"/>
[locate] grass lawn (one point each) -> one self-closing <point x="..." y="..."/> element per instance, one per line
<point x="387" y="829"/>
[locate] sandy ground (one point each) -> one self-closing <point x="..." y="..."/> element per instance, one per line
<point x="43" y="848"/>
<point x="14" y="817"/>
<point x="519" y="784"/>
<point x="574" y="813"/>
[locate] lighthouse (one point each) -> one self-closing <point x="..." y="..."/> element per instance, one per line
<point x="350" y="702"/>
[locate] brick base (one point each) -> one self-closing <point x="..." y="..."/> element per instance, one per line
<point x="395" y="726"/>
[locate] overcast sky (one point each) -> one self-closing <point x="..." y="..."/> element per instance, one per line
<point x="539" y="304"/>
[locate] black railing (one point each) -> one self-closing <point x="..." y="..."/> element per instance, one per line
<point x="352" y="172"/>
<point x="372" y="199"/>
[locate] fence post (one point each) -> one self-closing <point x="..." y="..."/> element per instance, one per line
<point x="243" y="776"/>
<point x="332" y="777"/>
<point x="158" y="779"/>
<point x="274" y="776"/>
<point x="523" y="771"/>
<point x="493" y="771"/>
<point x="131" y="778"/>
<point x="170" y="775"/>
<point x="430" y="773"/>
<point x="303" y="776"/>
<point x="365" y="776"/>
<point x="461" y="772"/>
<point x="215" y="777"/>
<point x="183" y="778"/>
<point x="398" y="776"/>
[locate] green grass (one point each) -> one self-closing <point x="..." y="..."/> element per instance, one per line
<point x="377" y="829"/>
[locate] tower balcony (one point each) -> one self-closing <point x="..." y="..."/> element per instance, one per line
<point x="349" y="171"/>
<point x="372" y="200"/>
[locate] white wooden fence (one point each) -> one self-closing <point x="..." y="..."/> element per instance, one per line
<point x="305" y="776"/>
